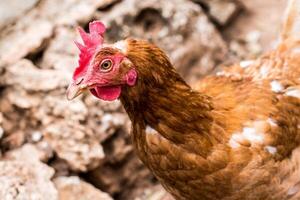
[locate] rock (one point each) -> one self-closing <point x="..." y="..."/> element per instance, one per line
<point x="19" y="7"/>
<point x="26" y="35"/>
<point x="1" y="117"/>
<point x="256" y="17"/>
<point x="221" y="10"/>
<point x="36" y="136"/>
<point x="59" y="107"/>
<point x="61" y="167"/>
<point x="37" y="25"/>
<point x="248" y="47"/>
<point x="110" y="122"/>
<point x="25" y="181"/>
<point x="184" y="32"/>
<point x="47" y="151"/>
<point x="27" y="153"/>
<point x="40" y="94"/>
<point x="1" y="129"/>
<point x="20" y="98"/>
<point x="129" y="170"/>
<point x="30" y="78"/>
<point x="1" y="132"/>
<point x="76" y="145"/>
<point x="121" y="158"/>
<point x="61" y="53"/>
<point x="24" y="177"/>
<point x="72" y="188"/>
<point x="13" y="140"/>
<point x="156" y="192"/>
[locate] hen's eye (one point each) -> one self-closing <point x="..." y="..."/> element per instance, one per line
<point x="106" y="65"/>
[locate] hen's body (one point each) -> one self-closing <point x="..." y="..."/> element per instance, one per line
<point x="235" y="136"/>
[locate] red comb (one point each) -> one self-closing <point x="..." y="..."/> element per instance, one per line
<point x="91" y="41"/>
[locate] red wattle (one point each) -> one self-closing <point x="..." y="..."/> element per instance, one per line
<point x="107" y="93"/>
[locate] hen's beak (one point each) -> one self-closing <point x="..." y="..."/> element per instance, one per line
<point x="75" y="90"/>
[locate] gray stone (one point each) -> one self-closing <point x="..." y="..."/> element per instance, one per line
<point x="27" y="76"/>
<point x="18" y="7"/>
<point x="73" y="188"/>
<point x="76" y="145"/>
<point x="222" y="11"/>
<point x="37" y="25"/>
<point x="24" y="177"/>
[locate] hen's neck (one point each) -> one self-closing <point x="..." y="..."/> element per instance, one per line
<point x="162" y="99"/>
<point x="176" y="105"/>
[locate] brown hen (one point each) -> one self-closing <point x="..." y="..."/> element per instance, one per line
<point x="233" y="136"/>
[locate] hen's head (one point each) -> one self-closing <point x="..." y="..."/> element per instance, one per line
<point x="103" y="69"/>
<point x="129" y="68"/>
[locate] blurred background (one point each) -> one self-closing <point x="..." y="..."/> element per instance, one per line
<point x="54" y="149"/>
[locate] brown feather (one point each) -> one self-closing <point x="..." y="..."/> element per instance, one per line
<point x="231" y="137"/>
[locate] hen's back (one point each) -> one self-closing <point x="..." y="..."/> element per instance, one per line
<point x="282" y="64"/>
<point x="257" y="110"/>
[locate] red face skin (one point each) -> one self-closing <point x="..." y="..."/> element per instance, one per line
<point x="106" y="84"/>
<point x="103" y="74"/>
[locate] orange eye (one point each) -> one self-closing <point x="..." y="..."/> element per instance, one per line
<point x="106" y="65"/>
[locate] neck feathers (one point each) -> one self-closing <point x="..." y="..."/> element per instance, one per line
<point x="161" y="98"/>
